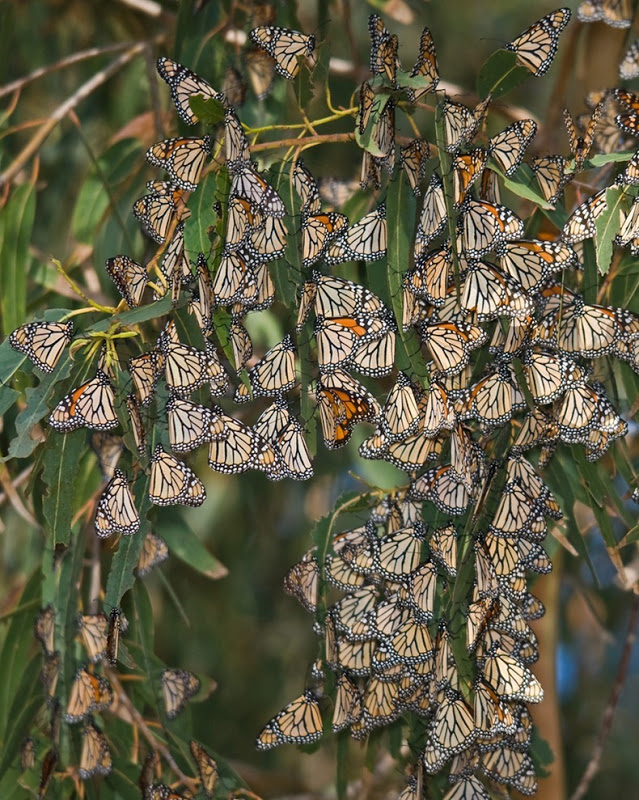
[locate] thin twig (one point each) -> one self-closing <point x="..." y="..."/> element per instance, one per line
<point x="608" y="715"/>
<point x="74" y="58"/>
<point x="62" y="110"/>
<point x="148" y="7"/>
<point x="307" y="140"/>
<point x="14" y="497"/>
<point x="155" y="743"/>
<point x="17" y="481"/>
<point x="156" y="103"/>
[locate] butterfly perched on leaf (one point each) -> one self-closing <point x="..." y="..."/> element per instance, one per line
<point x="286" y="47"/>
<point x="172" y="482"/>
<point x="42" y="342"/>
<point x="184" y="83"/>
<point x="178" y="686"/>
<point x="536" y="47"/>
<point x="182" y="157"/>
<point x="90" y="405"/>
<point x="551" y="175"/>
<point x="88" y="693"/>
<point x="580" y="145"/>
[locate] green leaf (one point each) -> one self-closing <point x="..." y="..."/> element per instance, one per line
<point x="61" y="459"/>
<point x="500" y="74"/>
<point x="16" y="227"/>
<point x="341" y="777"/>
<point x="25" y="705"/>
<point x="134" y="316"/>
<point x="39" y="401"/>
<point x="95" y="196"/>
<point x="121" y="576"/>
<point x="522" y="183"/>
<point x="184" y="544"/>
<point x="400" y="219"/>
<point x="200" y="225"/>
<point x="16" y="647"/>
<point x="607" y="226"/>
<point x="365" y="139"/>
<point x="210" y="111"/>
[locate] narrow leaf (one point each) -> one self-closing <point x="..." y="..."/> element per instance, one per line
<point x="607" y="226"/>
<point x="15" y="234"/>
<point x="61" y="459"/>
<point x="500" y="74"/>
<point x="184" y="543"/>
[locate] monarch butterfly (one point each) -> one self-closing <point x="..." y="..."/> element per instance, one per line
<point x="116" y="511"/>
<point x="172" y="482"/>
<point x="630" y="176"/>
<point x="306" y="188"/>
<point x="44" y="629"/>
<point x="337" y="297"/>
<point x="616" y="13"/>
<point x="484" y="226"/>
<point x="178" y="686"/>
<point x="318" y="230"/>
<point x="531" y="261"/>
<point x="300" y="722"/>
<point x="450" y="344"/>
<point x="301" y="581"/>
<point x="242" y="449"/>
<point x="494" y="399"/>
<point x="42" y="342"/>
<point x="201" y="298"/>
<point x="49" y="763"/>
<point x="150" y="767"/>
<point x="383" y="59"/>
<point x="400" y="552"/>
<point x="508" y="147"/>
<point x="469" y="788"/>
<point x="343" y="402"/>
<point x="268" y="242"/>
<point x="380" y="706"/>
<point x="160" y="791"/>
<point x="364" y="241"/>
<point x="261" y="72"/>
<point x="515" y="513"/>
<point x="551" y="175"/>
<point x="433" y="215"/>
<point x="510" y="679"/>
<point x="157" y="210"/>
<point x="187" y="368"/>
<point x="137" y="428"/>
<point x="88" y="693"/>
<point x="129" y="277"/>
<point x="275" y="372"/>
<point x="447" y="490"/>
<point x="629" y="66"/>
<point x="108" y="448"/>
<point x="400" y="415"/>
<point x="426" y="65"/>
<point x="206" y="767"/>
<point x="368" y="345"/>
<point x="154" y="552"/>
<point x="236" y="147"/>
<point x="413" y="158"/>
<point x="286" y="47"/>
<point x="467" y="169"/>
<point x="443" y="545"/>
<point x="90" y="405"/>
<point x="454" y="726"/>
<point x="629" y="120"/>
<point x="276" y="425"/>
<point x="629" y="230"/>
<point x="429" y="278"/>
<point x="27" y="754"/>
<point x="348" y="704"/>
<point x="241" y="343"/>
<point x="145" y="370"/>
<point x="191" y="425"/>
<point x="248" y="183"/>
<point x="95" y="758"/>
<point x="589" y="330"/>
<point x="185" y="84"/>
<point x="581" y="223"/>
<point x="535" y="48"/>
<point x="580" y="145"/>
<point x="117" y="624"/>
<point x="577" y="413"/>
<point x="489" y="189"/>
<point x="182" y="157"/>
<point x="490" y="293"/>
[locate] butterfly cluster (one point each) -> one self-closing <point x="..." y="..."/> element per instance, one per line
<point x="423" y="609"/>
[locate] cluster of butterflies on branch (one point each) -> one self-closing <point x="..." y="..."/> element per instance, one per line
<point x="504" y="344"/>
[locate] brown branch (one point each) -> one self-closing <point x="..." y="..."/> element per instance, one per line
<point x="14" y="498"/>
<point x="74" y="58"/>
<point x="303" y="141"/>
<point x="62" y="110"/>
<point x="148" y="7"/>
<point x="608" y="715"/>
<point x="155" y="743"/>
